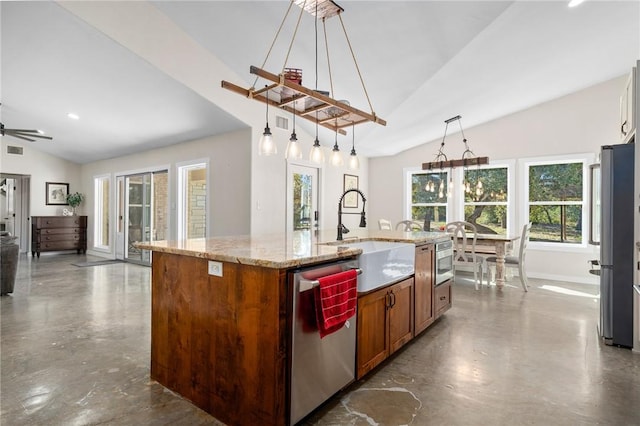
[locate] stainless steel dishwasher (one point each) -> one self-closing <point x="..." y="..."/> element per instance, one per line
<point x="319" y="367"/>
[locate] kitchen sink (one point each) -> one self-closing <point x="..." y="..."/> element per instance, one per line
<point x="383" y="262"/>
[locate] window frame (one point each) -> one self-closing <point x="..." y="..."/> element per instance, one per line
<point x="510" y="165"/>
<point x="99" y="210"/>
<point x="183" y="169"/>
<point x="587" y="159"/>
<point x="409" y="172"/>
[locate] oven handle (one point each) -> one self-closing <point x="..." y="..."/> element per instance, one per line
<point x="309" y="284"/>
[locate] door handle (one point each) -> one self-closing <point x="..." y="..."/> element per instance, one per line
<point x="393" y="299"/>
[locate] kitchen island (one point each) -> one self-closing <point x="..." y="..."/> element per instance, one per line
<point x="222" y="317"/>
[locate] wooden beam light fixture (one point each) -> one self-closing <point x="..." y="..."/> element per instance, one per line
<point x="285" y="90"/>
<point x="468" y="157"/>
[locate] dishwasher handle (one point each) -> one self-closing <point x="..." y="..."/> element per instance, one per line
<point x="309" y="284"/>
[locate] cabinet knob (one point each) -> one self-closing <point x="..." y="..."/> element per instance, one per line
<point x="443" y="297"/>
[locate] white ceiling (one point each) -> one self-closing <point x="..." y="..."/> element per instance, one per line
<point x="422" y="62"/>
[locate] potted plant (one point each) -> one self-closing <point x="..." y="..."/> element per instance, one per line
<point x="75" y="200"/>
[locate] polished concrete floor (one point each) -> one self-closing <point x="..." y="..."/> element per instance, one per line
<point x="75" y="351"/>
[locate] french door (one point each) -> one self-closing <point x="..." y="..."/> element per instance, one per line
<point x="142" y="213"/>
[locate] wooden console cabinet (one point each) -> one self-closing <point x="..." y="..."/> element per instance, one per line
<point x="56" y="233"/>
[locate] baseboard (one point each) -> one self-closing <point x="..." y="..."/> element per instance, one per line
<point x="580" y="279"/>
<point x="100" y="254"/>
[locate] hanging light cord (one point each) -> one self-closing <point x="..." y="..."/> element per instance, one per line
<point x="326" y="45"/>
<point x="295" y="32"/>
<point x="267" y="111"/>
<point x="273" y="42"/>
<point x="467" y="151"/>
<point x="440" y="155"/>
<point x="353" y="138"/>
<point x="315" y="21"/>
<point x="356" y="64"/>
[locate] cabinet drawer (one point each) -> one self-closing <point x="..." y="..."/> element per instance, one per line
<point x="443" y="298"/>
<point x="60" y="222"/>
<point x="56" y="231"/>
<point x="58" y="245"/>
<point x="59" y="237"/>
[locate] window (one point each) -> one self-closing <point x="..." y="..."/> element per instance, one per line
<point x="192" y="196"/>
<point x="428" y="197"/>
<point x="555" y="200"/>
<point x="101" y="205"/>
<point x="486" y="199"/>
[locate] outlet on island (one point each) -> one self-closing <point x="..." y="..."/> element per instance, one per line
<point x="215" y="268"/>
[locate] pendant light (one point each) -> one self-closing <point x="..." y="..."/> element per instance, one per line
<point x="354" y="163"/>
<point x="293" y="148"/>
<point x="267" y="145"/>
<point x="317" y="154"/>
<point x="336" y="155"/>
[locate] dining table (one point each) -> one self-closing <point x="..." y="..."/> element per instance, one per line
<point x="498" y="244"/>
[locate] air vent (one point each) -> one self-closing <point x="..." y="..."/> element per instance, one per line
<point x="14" y="150"/>
<point x="282" y="123"/>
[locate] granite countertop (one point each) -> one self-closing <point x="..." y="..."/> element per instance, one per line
<point x="285" y="251"/>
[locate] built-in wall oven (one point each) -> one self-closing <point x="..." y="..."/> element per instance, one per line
<point x="444" y="261"/>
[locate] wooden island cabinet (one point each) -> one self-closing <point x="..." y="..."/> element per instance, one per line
<point x="222" y="319"/>
<point x="423" y="287"/>
<point x="221" y="342"/>
<point x="385" y="324"/>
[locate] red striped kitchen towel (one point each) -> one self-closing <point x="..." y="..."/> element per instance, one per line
<point x="336" y="300"/>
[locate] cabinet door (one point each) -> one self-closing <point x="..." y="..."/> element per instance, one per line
<point x="400" y="314"/>
<point x="373" y="342"/>
<point x="423" y="287"/>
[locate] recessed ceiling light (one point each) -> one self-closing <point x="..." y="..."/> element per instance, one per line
<point x="574" y="3"/>
<point x="73" y="116"/>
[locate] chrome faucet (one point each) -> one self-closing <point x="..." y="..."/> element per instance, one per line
<point x="363" y="221"/>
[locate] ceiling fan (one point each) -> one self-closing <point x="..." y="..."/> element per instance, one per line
<point x="23" y="133"/>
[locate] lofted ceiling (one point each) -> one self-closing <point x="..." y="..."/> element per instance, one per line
<point x="422" y="62"/>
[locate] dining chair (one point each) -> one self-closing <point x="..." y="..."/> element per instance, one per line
<point x="409" y="225"/>
<point x="384" y="224"/>
<point x="514" y="261"/>
<point x="464" y="249"/>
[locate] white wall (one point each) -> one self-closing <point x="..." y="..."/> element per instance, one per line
<point x="578" y="123"/>
<point x="229" y="186"/>
<point x="42" y="168"/>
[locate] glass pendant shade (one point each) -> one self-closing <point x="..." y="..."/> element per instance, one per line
<point x="267" y="145"/>
<point x="354" y="162"/>
<point x="316" y="155"/>
<point x="336" y="156"/>
<point x="293" y="148"/>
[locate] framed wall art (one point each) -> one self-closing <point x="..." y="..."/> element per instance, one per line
<point x="57" y="193"/>
<point x="351" y="199"/>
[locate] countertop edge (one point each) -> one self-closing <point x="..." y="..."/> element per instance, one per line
<point x="342" y="250"/>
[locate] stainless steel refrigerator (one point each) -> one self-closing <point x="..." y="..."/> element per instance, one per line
<point x="616" y="248"/>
